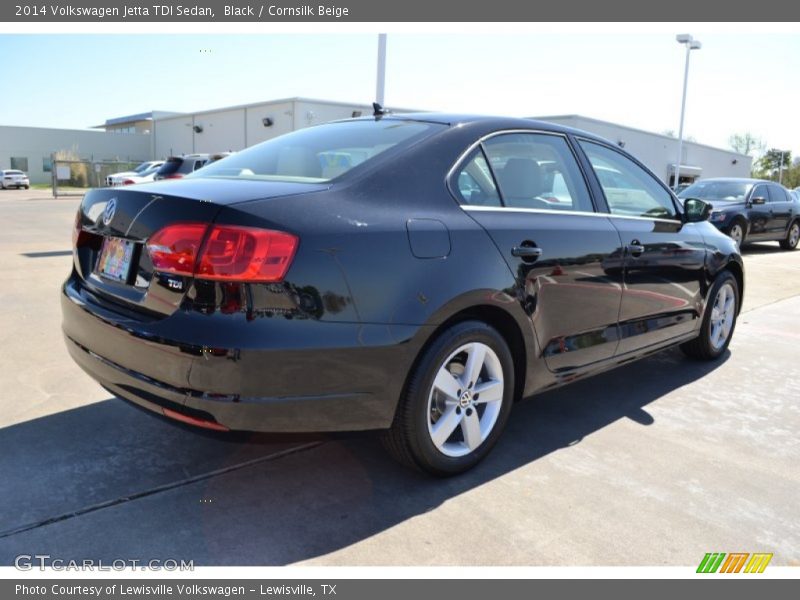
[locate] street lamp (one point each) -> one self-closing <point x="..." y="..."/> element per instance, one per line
<point x="691" y="44"/>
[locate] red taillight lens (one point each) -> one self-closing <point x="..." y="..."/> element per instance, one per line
<point x="246" y="254"/>
<point x="173" y="176"/>
<point x="174" y="248"/>
<point x="229" y="253"/>
<point x="128" y="182"/>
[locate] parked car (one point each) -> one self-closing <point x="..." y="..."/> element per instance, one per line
<point x="143" y="177"/>
<point x="750" y="210"/>
<point x="407" y="273"/>
<point x="679" y="188"/>
<point x="176" y="167"/>
<point x="14" y="178"/>
<point x="148" y="165"/>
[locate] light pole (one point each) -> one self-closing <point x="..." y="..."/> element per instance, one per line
<point x="780" y="167"/>
<point x="381" y="78"/>
<point x="691" y="44"/>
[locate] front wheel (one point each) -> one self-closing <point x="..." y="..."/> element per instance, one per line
<point x="457" y="401"/>
<point x="736" y="233"/>
<point x="792" y="237"/>
<point x="719" y="320"/>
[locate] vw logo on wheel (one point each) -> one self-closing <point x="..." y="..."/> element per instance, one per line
<point x="108" y="213"/>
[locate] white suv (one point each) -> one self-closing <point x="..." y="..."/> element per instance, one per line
<point x="12" y="178"/>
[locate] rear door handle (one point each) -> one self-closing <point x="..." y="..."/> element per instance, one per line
<point x="635" y="248"/>
<point x="526" y="251"/>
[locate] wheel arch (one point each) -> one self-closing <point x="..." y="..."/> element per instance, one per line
<point x="501" y="319"/>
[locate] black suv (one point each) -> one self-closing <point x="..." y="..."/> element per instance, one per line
<point x="750" y="210"/>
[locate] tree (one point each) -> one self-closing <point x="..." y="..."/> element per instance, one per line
<point x="771" y="162"/>
<point x="745" y="143"/>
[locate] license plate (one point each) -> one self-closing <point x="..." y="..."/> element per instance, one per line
<point x="115" y="259"/>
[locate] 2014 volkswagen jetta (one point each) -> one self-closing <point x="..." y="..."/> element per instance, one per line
<point x="414" y="273"/>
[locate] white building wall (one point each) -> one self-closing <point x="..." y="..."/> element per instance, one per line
<point x="37" y="144"/>
<point x="223" y="130"/>
<point x="658" y="152"/>
<point x="172" y="137"/>
<point x="282" y="115"/>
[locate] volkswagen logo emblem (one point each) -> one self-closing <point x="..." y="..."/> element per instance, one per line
<point x="108" y="213"/>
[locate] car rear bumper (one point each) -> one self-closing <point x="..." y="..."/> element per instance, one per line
<point x="351" y="384"/>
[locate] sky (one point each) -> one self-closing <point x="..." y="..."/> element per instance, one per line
<point x="737" y="82"/>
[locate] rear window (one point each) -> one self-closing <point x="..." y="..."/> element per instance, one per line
<point x="320" y="153"/>
<point x="171" y="166"/>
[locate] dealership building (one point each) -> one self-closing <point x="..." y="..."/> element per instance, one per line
<point x="159" y="134"/>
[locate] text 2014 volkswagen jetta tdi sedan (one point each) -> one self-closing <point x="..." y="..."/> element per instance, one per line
<point x="416" y="273"/>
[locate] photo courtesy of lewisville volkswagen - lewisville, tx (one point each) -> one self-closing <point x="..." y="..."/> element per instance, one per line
<point x="416" y="274"/>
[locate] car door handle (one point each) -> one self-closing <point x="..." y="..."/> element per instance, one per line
<point x="526" y="251"/>
<point x="635" y="248"/>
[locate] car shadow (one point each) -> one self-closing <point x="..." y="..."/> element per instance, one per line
<point x="762" y="248"/>
<point x="108" y="481"/>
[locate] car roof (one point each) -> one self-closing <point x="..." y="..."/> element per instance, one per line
<point x="486" y="121"/>
<point x="734" y="180"/>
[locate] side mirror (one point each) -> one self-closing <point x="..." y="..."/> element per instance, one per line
<point x="696" y="210"/>
<point x="758" y="200"/>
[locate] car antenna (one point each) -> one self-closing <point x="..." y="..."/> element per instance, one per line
<point x="379" y="111"/>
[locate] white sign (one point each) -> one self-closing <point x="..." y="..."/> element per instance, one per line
<point x="62" y="173"/>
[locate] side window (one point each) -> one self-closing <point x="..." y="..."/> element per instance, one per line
<point x="777" y="194"/>
<point x="475" y="184"/>
<point x="760" y="191"/>
<point x="537" y="170"/>
<point x="629" y="189"/>
<point x="199" y="163"/>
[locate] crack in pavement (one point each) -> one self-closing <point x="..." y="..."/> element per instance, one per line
<point x="159" y="489"/>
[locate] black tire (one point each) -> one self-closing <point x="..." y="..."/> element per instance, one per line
<point x="742" y="224"/>
<point x="702" y="347"/>
<point x="410" y="441"/>
<point x="792" y="237"/>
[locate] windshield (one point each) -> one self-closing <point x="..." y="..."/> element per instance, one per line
<point x="319" y="153"/>
<point x="729" y="191"/>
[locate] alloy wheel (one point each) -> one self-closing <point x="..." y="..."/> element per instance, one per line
<point x="737" y="233"/>
<point x="722" y="316"/>
<point x="465" y="399"/>
<point x="794" y="235"/>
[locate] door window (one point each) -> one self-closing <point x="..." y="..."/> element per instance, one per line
<point x="777" y="194"/>
<point x="629" y="189"/>
<point x="535" y="170"/>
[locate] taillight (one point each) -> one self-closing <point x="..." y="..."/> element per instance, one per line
<point x="128" y="182"/>
<point x="223" y="252"/>
<point x="174" y="248"/>
<point x="78" y="235"/>
<point x="173" y="176"/>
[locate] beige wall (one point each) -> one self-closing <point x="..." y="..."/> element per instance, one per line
<point x="38" y="143"/>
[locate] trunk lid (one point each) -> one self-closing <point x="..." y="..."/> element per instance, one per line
<point x="113" y="226"/>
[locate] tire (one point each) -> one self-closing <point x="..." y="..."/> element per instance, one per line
<point x="719" y="320"/>
<point x="792" y="237"/>
<point x="442" y="425"/>
<point x="742" y="231"/>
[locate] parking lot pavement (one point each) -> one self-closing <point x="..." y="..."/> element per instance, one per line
<point x="655" y="463"/>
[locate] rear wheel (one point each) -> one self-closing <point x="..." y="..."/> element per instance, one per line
<point x="457" y="401"/>
<point x="719" y="320"/>
<point x="736" y="232"/>
<point x="792" y="237"/>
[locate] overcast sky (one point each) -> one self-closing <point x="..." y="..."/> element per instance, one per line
<point x="737" y="82"/>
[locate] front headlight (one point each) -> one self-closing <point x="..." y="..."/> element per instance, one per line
<point x="717" y="217"/>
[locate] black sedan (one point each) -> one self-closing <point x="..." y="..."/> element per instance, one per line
<point x="416" y="274"/>
<point x="750" y="210"/>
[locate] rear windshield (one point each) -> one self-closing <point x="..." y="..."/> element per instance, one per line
<point x="171" y="166"/>
<point x="320" y="153"/>
<point x="730" y="191"/>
